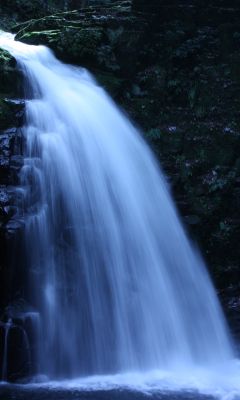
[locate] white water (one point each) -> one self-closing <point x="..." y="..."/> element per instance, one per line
<point x="119" y="287"/>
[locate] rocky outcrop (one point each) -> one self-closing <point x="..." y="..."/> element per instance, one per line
<point x="16" y="329"/>
<point x="94" y="37"/>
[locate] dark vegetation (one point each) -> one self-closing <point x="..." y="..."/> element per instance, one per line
<point x="174" y="67"/>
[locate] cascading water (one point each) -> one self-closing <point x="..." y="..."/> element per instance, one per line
<point x="118" y="285"/>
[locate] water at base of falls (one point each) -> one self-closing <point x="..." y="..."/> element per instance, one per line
<point x="118" y="286"/>
<point x="29" y="393"/>
<point x="198" y="384"/>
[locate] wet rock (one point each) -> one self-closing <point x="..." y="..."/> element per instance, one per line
<point x="8" y="71"/>
<point x="18" y="337"/>
<point x="16" y="362"/>
<point x="11" y="222"/>
<point x="16" y="161"/>
<point x="10" y="164"/>
<point x="4" y="197"/>
<point x="9" y="113"/>
<point x="14" y="225"/>
<point x="12" y="264"/>
<point x="4" y="162"/>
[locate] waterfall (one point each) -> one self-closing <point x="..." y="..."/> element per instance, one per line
<point x="118" y="285"/>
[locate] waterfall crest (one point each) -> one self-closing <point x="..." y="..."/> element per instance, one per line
<point x="113" y="275"/>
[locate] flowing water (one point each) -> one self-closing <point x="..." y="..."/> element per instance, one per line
<point x="123" y="296"/>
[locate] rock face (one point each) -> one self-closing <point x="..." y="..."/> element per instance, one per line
<point x="16" y="360"/>
<point x="94" y="37"/>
